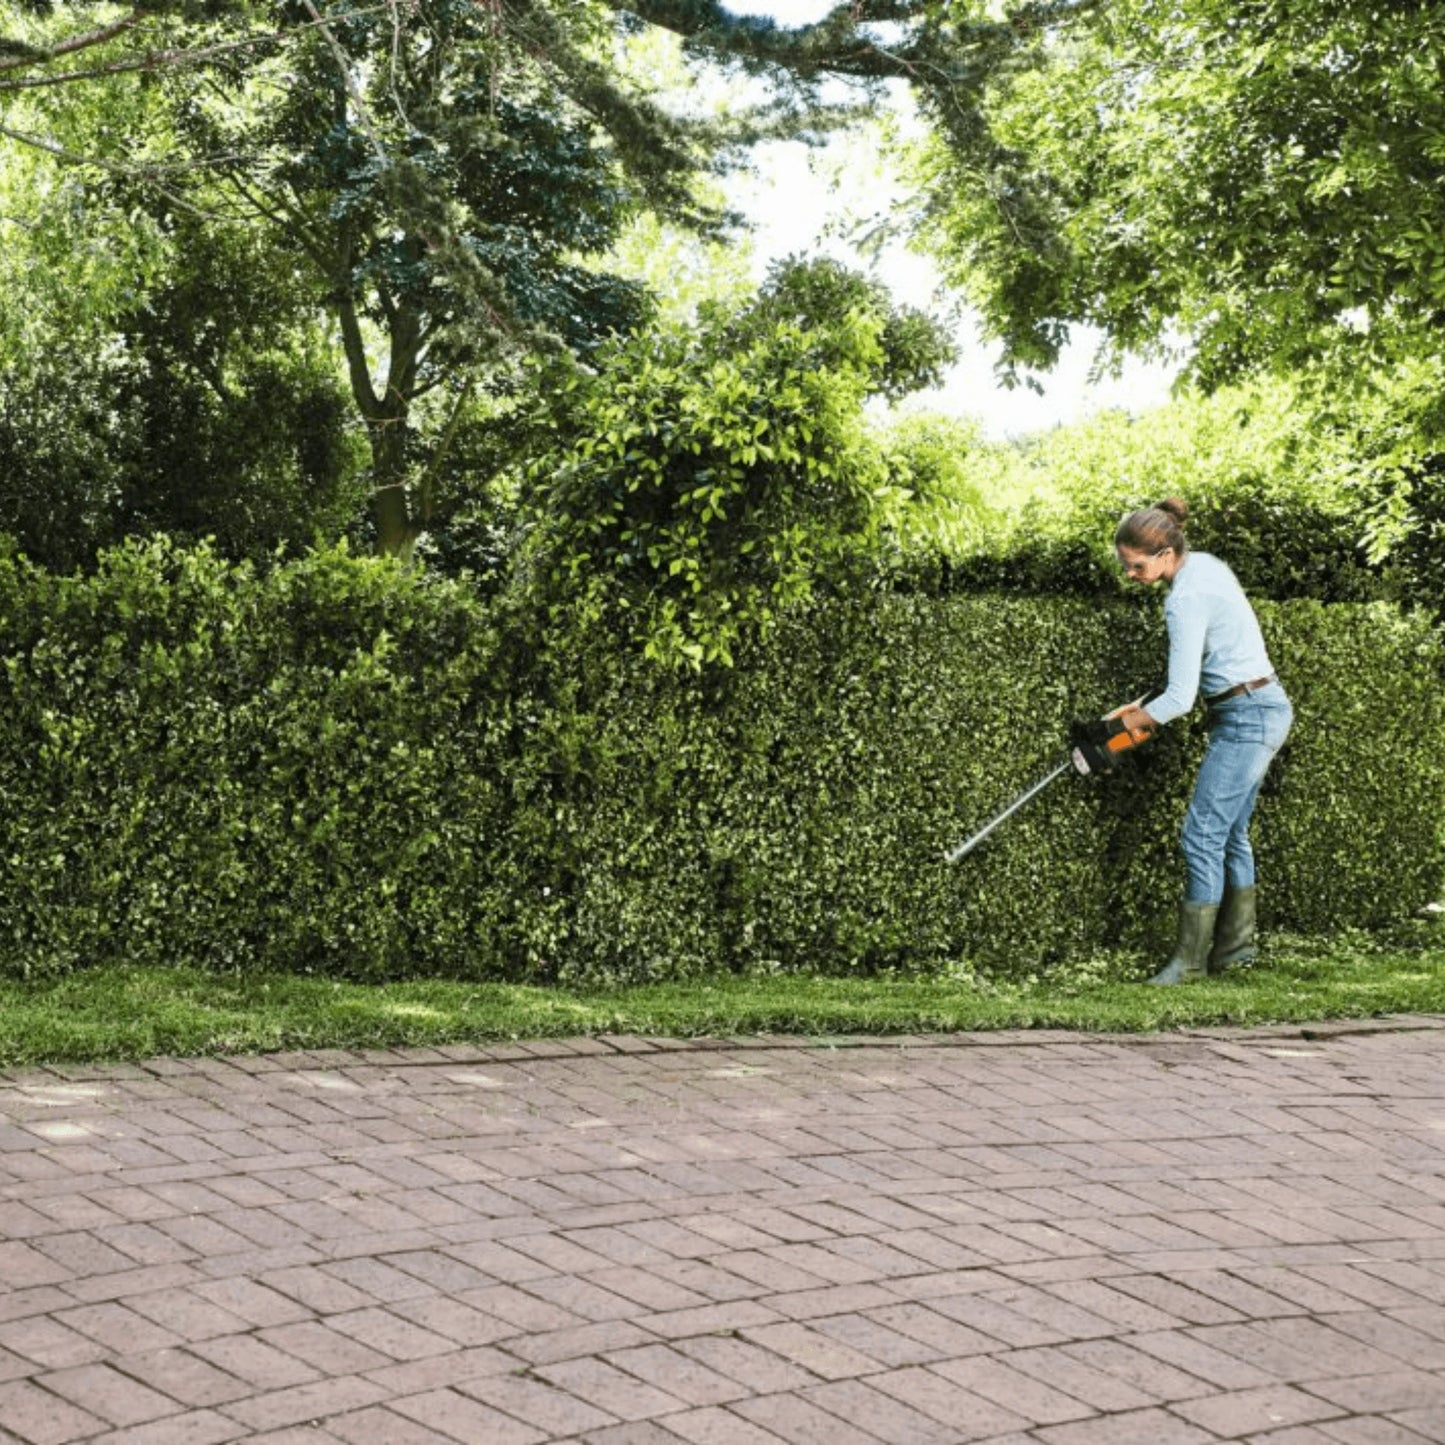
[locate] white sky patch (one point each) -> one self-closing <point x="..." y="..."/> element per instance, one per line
<point x="806" y="201"/>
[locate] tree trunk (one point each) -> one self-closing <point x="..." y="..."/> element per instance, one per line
<point x="386" y="415"/>
<point x="396" y="528"/>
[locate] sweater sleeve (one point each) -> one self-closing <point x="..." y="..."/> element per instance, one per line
<point x="1187" y="625"/>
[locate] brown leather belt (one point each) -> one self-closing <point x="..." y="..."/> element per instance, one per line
<point x="1253" y="685"/>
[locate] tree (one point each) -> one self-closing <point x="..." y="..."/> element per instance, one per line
<point x="432" y="172"/>
<point x="208" y="407"/>
<point x="1246" y="188"/>
<point x="436" y="164"/>
<point x="437" y="184"/>
<point x="1258" y="183"/>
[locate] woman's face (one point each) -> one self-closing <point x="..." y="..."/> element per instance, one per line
<point x="1144" y="567"/>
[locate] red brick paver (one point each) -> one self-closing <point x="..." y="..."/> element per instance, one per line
<point x="1022" y="1239"/>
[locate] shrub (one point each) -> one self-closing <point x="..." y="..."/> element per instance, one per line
<point x="1416" y="562"/>
<point x="1281" y="501"/>
<point x="339" y="765"/>
<point x="199" y="764"/>
<point x="830" y="773"/>
<point x="703" y="476"/>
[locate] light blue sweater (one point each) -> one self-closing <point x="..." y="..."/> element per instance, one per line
<point x="1214" y="636"/>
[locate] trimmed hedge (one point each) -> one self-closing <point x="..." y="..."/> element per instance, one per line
<point x="199" y="764"/>
<point x="1290" y="502"/>
<point x="1278" y="552"/>
<point x="341" y="766"/>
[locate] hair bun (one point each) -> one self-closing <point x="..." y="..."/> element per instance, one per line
<point x="1177" y="508"/>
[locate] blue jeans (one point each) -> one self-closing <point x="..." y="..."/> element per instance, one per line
<point x="1245" y="733"/>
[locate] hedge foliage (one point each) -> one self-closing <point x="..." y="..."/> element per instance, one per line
<point x="1290" y="504"/>
<point x="338" y="766"/>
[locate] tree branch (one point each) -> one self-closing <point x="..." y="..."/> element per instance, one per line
<point x="136" y="170"/>
<point x="150" y="59"/>
<point x="363" y="113"/>
<point x="354" y="345"/>
<point x="405" y="354"/>
<point x="834" y="44"/>
<point x="21" y="54"/>
<point x="426" y="484"/>
<point x="838" y="44"/>
<point x="290" y="219"/>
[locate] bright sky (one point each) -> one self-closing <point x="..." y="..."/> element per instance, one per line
<point x="793" y="196"/>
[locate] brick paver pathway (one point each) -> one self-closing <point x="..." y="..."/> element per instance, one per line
<point x="1049" y="1238"/>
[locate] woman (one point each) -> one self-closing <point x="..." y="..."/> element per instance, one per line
<point x="1215" y="647"/>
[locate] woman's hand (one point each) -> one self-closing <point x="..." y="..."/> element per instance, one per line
<point x="1136" y="720"/>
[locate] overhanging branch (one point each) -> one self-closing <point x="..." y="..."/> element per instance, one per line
<point x="177" y="57"/>
<point x="19" y="54"/>
<point x="834" y="45"/>
<point x="840" y="44"/>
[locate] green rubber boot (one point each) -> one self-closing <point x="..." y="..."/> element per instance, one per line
<point x="1234" y="934"/>
<point x="1191" y="952"/>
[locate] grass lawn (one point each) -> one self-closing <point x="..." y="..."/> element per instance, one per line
<point x="125" y="1013"/>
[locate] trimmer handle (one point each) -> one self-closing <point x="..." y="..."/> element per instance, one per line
<point x="1096" y="745"/>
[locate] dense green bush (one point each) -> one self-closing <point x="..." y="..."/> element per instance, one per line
<point x="1416" y="562"/>
<point x="207" y="404"/>
<point x="703" y="476"/>
<point x="1283" y="501"/>
<point x="336" y="765"/>
<point x="1276" y="551"/>
<point x="201" y="764"/>
<point x="822" y="781"/>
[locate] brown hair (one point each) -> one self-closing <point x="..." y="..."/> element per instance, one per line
<point x="1151" y="529"/>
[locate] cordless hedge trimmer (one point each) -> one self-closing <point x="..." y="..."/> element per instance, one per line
<point x="1094" y="748"/>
